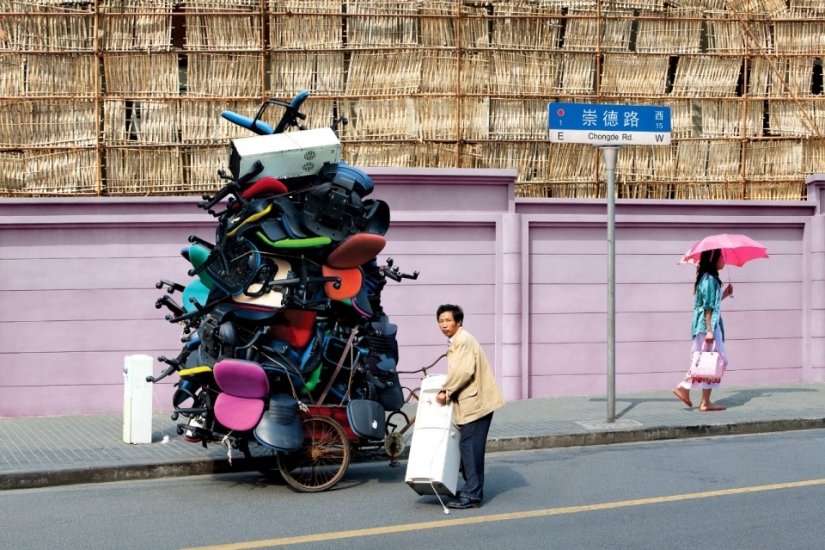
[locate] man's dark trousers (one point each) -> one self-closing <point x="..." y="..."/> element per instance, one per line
<point x="472" y="444"/>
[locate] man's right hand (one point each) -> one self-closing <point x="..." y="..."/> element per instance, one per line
<point x="441" y="398"/>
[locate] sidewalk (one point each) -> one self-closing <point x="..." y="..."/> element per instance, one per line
<point x="41" y="452"/>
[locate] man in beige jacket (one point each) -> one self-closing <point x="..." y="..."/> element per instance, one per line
<point x="472" y="389"/>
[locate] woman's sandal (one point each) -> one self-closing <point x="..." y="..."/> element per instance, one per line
<point x="711" y="408"/>
<point x="677" y="392"/>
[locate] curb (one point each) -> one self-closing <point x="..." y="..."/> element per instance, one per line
<point x="526" y="443"/>
<point x="131" y="472"/>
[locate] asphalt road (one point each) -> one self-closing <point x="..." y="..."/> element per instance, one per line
<point x="761" y="491"/>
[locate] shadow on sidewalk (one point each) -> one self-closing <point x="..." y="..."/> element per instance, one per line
<point x="740" y="397"/>
<point x="737" y="398"/>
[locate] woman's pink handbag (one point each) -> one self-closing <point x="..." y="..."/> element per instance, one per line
<point x="707" y="364"/>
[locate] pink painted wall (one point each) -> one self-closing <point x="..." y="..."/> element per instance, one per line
<point x="77" y="287"/>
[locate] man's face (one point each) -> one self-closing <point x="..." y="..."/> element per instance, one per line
<point x="447" y="324"/>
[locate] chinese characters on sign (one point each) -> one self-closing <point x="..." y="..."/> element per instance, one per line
<point x="609" y="124"/>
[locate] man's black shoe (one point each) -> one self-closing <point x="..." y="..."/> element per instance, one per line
<point x="463" y="503"/>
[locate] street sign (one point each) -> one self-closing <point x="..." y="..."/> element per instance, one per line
<point x="609" y="124"/>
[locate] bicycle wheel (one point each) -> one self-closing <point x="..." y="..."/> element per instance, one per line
<point x="264" y="459"/>
<point x="322" y="460"/>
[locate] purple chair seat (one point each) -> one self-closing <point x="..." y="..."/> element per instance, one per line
<point x="244" y="387"/>
<point x="238" y="413"/>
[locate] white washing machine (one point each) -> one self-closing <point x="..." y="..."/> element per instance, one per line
<point x="434" y="454"/>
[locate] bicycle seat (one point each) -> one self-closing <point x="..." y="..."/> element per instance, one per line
<point x="244" y="386"/>
<point x="356" y="250"/>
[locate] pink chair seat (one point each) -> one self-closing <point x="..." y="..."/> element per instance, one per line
<point x="241" y="378"/>
<point x="238" y="413"/>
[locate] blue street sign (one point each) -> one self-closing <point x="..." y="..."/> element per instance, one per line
<point x="609" y="124"/>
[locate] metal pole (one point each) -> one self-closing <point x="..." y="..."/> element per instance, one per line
<point x="610" y="155"/>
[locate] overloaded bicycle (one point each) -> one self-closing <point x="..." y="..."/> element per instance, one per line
<point x="288" y="355"/>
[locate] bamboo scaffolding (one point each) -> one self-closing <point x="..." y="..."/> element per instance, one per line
<point x="786" y="119"/>
<point x="796" y="74"/>
<point x="60" y="173"/>
<point x="813" y="157"/>
<point x="722" y="119"/>
<point x="578" y="74"/>
<point x="382" y="119"/>
<point x="239" y="31"/>
<point x="437" y="31"/>
<point x="12" y="173"/>
<point x="526" y="26"/>
<point x="291" y="28"/>
<point x="807" y="8"/>
<point x="12" y="75"/>
<point x="615" y="33"/>
<point x="55" y="75"/>
<point x="320" y="114"/>
<point x="16" y="119"/>
<point x="393" y="72"/>
<point x="517" y="119"/>
<point x="773" y="160"/>
<point x="216" y="75"/>
<point x="800" y="37"/>
<point x="316" y="72"/>
<point x="707" y="5"/>
<point x="200" y="167"/>
<point x="633" y="75"/>
<point x="475" y="73"/>
<point x="710" y="76"/>
<point x="64" y="122"/>
<point x="46" y="25"/>
<point x="675" y="35"/>
<point x="570" y="163"/>
<point x="439" y="72"/>
<point x="140" y="121"/>
<point x="524" y="73"/>
<point x="379" y="154"/>
<point x="473" y="26"/>
<point x="138" y="75"/>
<point x="519" y="155"/>
<point x="435" y="83"/>
<point x="133" y="25"/>
<point x="201" y="123"/>
<point x="772" y="8"/>
<point x="381" y="31"/>
<point x="144" y="171"/>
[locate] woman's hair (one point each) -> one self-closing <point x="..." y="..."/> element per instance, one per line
<point x="707" y="264"/>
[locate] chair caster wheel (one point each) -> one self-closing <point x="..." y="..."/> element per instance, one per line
<point x="175" y="416"/>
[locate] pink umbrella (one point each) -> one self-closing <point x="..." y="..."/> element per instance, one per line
<point x="736" y="249"/>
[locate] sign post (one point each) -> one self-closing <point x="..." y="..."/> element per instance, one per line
<point x="609" y="127"/>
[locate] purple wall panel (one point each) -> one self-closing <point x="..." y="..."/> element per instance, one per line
<point x="592" y="298"/>
<point x="78" y="287"/>
<point x="74" y="368"/>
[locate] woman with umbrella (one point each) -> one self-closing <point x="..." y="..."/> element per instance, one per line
<point x="710" y="255"/>
<point x="708" y="328"/>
